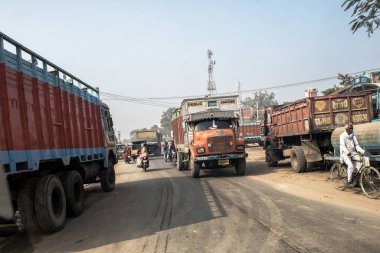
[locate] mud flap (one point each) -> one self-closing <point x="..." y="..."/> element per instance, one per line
<point x="311" y="151"/>
<point x="6" y="209"/>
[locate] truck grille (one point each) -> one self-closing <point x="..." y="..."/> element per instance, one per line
<point x="220" y="144"/>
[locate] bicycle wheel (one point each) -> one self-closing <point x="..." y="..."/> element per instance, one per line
<point x="339" y="176"/>
<point x="370" y="182"/>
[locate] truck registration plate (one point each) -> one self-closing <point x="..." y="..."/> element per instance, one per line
<point x="222" y="162"/>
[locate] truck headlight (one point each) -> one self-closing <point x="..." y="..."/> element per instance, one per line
<point x="200" y="150"/>
<point x="240" y="147"/>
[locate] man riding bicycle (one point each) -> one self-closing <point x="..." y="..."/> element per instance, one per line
<point x="349" y="147"/>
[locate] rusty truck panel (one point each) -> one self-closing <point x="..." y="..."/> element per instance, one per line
<point x="319" y="114"/>
<point x="178" y="132"/>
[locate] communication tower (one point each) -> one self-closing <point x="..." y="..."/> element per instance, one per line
<point x="211" y="87"/>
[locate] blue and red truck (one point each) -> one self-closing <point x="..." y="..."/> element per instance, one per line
<point x="55" y="136"/>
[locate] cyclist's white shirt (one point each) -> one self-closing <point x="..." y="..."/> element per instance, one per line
<point x="349" y="144"/>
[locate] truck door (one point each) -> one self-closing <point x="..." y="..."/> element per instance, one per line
<point x="109" y="135"/>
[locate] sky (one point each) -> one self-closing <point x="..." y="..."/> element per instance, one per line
<point x="143" y="49"/>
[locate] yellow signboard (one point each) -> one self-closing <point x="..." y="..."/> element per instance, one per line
<point x="339" y="104"/>
<point x="357" y="103"/>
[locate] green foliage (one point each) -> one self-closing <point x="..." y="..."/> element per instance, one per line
<point x="166" y="119"/>
<point x="344" y="80"/>
<point x="330" y="90"/>
<point x="262" y="98"/>
<point x="133" y="132"/>
<point x="155" y="127"/>
<point x="365" y="14"/>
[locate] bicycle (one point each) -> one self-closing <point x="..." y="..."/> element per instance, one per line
<point x="368" y="176"/>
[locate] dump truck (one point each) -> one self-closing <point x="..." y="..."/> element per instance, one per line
<point x="206" y="134"/>
<point x="251" y="132"/>
<point x="302" y="130"/>
<point x="55" y="136"/>
<point x="151" y="138"/>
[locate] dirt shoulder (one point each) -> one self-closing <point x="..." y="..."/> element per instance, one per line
<point x="314" y="185"/>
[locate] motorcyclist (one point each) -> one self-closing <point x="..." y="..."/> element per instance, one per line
<point x="349" y="148"/>
<point x="143" y="152"/>
<point x="171" y="150"/>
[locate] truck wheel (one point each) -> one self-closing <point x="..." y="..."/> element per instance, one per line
<point x="107" y="177"/>
<point x="26" y="207"/>
<point x="74" y="190"/>
<point x="195" y="168"/>
<point x="50" y="204"/>
<point x="269" y="154"/>
<point x="240" y="165"/>
<point x="180" y="161"/>
<point x="298" y="160"/>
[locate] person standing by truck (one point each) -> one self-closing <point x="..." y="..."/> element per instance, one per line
<point x="349" y="147"/>
<point x="166" y="151"/>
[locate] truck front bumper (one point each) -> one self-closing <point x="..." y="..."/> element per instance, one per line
<point x="220" y="157"/>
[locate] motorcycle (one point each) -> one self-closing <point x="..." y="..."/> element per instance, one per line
<point x="174" y="157"/>
<point x="127" y="158"/>
<point x="142" y="162"/>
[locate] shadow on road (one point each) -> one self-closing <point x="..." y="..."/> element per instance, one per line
<point x="135" y="210"/>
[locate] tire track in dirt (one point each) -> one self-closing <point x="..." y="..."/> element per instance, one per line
<point x="163" y="214"/>
<point x="275" y="229"/>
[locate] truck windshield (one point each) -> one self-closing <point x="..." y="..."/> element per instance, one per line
<point x="212" y="124"/>
<point x="136" y="146"/>
<point x="120" y="148"/>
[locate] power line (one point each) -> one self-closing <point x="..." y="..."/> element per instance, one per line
<point x="154" y="100"/>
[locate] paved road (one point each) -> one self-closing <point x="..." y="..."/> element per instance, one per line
<point x="164" y="210"/>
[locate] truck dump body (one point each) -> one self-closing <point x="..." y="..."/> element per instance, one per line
<point x="320" y="114"/>
<point x="152" y="138"/>
<point x="44" y="117"/>
<point x="177" y="128"/>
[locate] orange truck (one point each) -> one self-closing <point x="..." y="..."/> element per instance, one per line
<point x="206" y="134"/>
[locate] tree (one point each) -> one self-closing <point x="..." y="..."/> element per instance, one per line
<point x="155" y="127"/>
<point x="166" y="119"/>
<point x="262" y="98"/>
<point x="345" y="80"/>
<point x="133" y="132"/>
<point x="366" y="14"/>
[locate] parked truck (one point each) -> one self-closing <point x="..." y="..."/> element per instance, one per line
<point x="206" y="134"/>
<point x="151" y="138"/>
<point x="302" y="130"/>
<point x="55" y="135"/>
<point x="251" y="132"/>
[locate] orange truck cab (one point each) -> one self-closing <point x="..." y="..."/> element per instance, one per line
<point x="206" y="134"/>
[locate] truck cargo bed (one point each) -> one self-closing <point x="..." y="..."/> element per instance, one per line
<point x="320" y="114"/>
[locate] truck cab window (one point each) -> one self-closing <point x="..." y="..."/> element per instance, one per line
<point x="212" y="124"/>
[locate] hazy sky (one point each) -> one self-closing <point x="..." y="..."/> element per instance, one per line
<point x="159" y="48"/>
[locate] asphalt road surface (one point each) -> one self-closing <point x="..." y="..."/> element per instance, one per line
<point x="165" y="210"/>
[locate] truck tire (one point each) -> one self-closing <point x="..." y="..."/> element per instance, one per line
<point x="50" y="204"/>
<point x="107" y="177"/>
<point x="269" y="156"/>
<point x="195" y="168"/>
<point x="180" y="161"/>
<point x="298" y="160"/>
<point x="240" y="165"/>
<point x="26" y="207"/>
<point x="74" y="190"/>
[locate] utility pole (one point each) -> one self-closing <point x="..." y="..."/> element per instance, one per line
<point x="211" y="86"/>
<point x="239" y="100"/>
<point x="119" y="136"/>
<point x="257" y="110"/>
